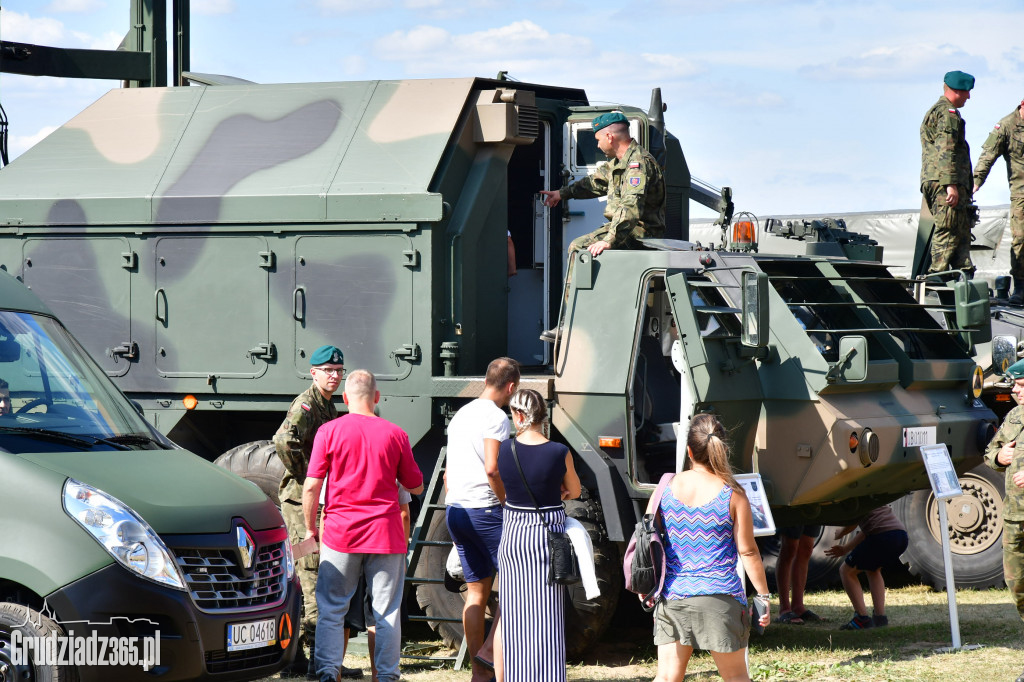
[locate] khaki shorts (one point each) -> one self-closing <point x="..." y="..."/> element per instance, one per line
<point x="714" y="622"/>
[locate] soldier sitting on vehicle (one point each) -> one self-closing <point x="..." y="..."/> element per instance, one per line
<point x="635" y="188"/>
<point x="5" y="398"/>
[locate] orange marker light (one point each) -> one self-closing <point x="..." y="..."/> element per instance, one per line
<point x="854" y="441"/>
<point x="609" y="442"/>
<point x="190" y="402"/>
<point x="743" y="232"/>
<point x="1002" y="397"/>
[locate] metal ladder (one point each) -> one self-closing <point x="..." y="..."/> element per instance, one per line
<point x="432" y="505"/>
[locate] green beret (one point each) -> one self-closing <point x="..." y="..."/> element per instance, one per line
<point x="1015" y="371"/>
<point x="327" y="355"/>
<point x="605" y="120"/>
<point x="958" y="80"/>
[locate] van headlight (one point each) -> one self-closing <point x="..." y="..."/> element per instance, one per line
<point x="122" y="532"/>
<point x="289" y="560"/>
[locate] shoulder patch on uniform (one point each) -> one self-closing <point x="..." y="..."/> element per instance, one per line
<point x="635" y="182"/>
<point x="634" y="165"/>
<point x="306" y="407"/>
<point x="952" y="111"/>
<point x="997" y="127"/>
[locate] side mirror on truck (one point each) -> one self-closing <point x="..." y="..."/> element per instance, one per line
<point x="754" y="309"/>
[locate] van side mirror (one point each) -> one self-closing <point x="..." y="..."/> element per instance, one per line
<point x="754" y="309"/>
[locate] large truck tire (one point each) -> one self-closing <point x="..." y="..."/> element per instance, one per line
<point x="257" y="462"/>
<point x="585" y="619"/>
<point x="976" y="519"/>
<point x="822" y="570"/>
<point x="31" y="623"/>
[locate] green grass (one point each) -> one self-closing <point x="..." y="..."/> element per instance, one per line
<point x="904" y="651"/>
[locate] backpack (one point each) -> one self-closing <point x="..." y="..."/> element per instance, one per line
<point x="644" y="561"/>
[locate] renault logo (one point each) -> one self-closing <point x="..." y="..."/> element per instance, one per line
<point x="246" y="547"/>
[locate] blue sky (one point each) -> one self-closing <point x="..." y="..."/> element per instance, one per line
<point x="802" y="106"/>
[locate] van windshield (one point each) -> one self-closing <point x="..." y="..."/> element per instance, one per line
<point x="53" y="397"/>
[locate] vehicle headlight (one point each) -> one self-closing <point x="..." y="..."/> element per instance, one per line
<point x="122" y="532"/>
<point x="289" y="560"/>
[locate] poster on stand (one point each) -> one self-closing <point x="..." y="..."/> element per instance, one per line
<point x="764" y="523"/>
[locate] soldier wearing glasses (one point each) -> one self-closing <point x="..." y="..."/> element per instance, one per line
<point x="294" y="443"/>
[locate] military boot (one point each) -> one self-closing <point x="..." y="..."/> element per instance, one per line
<point x="1017" y="298"/>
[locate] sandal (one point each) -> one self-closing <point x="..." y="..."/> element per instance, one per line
<point x="789" y="618"/>
<point x="809" y="616"/>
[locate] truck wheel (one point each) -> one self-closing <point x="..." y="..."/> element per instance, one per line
<point x="585" y="619"/>
<point x="31" y="623"/>
<point x="434" y="598"/>
<point x="976" y="519"/>
<point x="822" y="570"/>
<point x="257" y="462"/>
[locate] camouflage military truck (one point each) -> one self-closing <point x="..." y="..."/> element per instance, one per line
<point x="202" y="241"/>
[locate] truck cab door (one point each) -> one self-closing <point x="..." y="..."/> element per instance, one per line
<point x="716" y="375"/>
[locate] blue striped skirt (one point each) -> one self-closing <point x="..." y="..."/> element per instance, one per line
<point x="532" y="611"/>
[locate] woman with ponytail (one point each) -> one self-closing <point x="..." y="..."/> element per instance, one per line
<point x="708" y="524"/>
<point x="532" y="637"/>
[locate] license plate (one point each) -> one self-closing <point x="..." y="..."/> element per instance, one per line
<point x="919" y="435"/>
<point x="252" y="635"/>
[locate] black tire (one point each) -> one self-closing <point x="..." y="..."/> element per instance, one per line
<point x="585" y="620"/>
<point x="31" y="623"/>
<point x="822" y="570"/>
<point x="976" y="539"/>
<point x="257" y="462"/>
<point x="434" y="598"/>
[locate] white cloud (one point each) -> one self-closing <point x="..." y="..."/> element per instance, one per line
<point x="902" y="63"/>
<point x="213" y="8"/>
<point x="70" y="6"/>
<point x="422" y="4"/>
<point x="21" y="28"/>
<point x="17" y="144"/>
<point x="353" y="65"/>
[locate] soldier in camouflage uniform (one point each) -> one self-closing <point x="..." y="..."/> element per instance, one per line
<point x="1007" y="140"/>
<point x="1005" y="452"/>
<point x="632" y="181"/>
<point x="946" y="181"/>
<point x="294" y="444"/>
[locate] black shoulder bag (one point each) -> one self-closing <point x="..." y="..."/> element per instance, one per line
<point x="563" y="566"/>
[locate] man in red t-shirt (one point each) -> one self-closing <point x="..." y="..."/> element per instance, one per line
<point x="363" y="456"/>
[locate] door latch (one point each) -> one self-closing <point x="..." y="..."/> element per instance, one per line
<point x="410" y="352"/>
<point x="129" y="350"/>
<point x="264" y="351"/>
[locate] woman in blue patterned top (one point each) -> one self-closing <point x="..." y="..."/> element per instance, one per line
<point x="708" y="525"/>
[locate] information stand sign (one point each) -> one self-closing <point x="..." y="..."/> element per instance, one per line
<point x="945" y="486"/>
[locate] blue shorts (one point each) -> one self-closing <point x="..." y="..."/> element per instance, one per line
<point x="476" y="534"/>
<point x="878" y="550"/>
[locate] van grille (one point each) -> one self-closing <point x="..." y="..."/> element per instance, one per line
<point x="218" y="584"/>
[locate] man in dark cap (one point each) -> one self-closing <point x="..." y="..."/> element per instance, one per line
<point x="1007" y="140"/>
<point x="1005" y="452"/>
<point x="632" y="181"/>
<point x="294" y="444"/>
<point x="946" y="181"/>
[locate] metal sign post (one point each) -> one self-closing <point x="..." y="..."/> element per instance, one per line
<point x="945" y="486"/>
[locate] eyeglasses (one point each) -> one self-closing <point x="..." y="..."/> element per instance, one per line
<point x="331" y="372"/>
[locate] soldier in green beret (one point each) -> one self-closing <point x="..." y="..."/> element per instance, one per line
<point x="294" y="444"/>
<point x="1007" y="140"/>
<point x="1005" y="452"/>
<point x="946" y="181"/>
<point x="632" y="181"/>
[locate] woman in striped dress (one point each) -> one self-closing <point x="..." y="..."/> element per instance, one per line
<point x="532" y="639"/>
<point x="707" y="522"/>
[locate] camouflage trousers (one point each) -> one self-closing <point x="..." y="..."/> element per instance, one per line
<point x="951" y="239"/>
<point x="1017" y="232"/>
<point x="1013" y="562"/>
<point x="305" y="568"/>
<point x="585" y="242"/>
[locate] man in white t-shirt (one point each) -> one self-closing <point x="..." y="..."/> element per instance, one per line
<point x="474" y="494"/>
